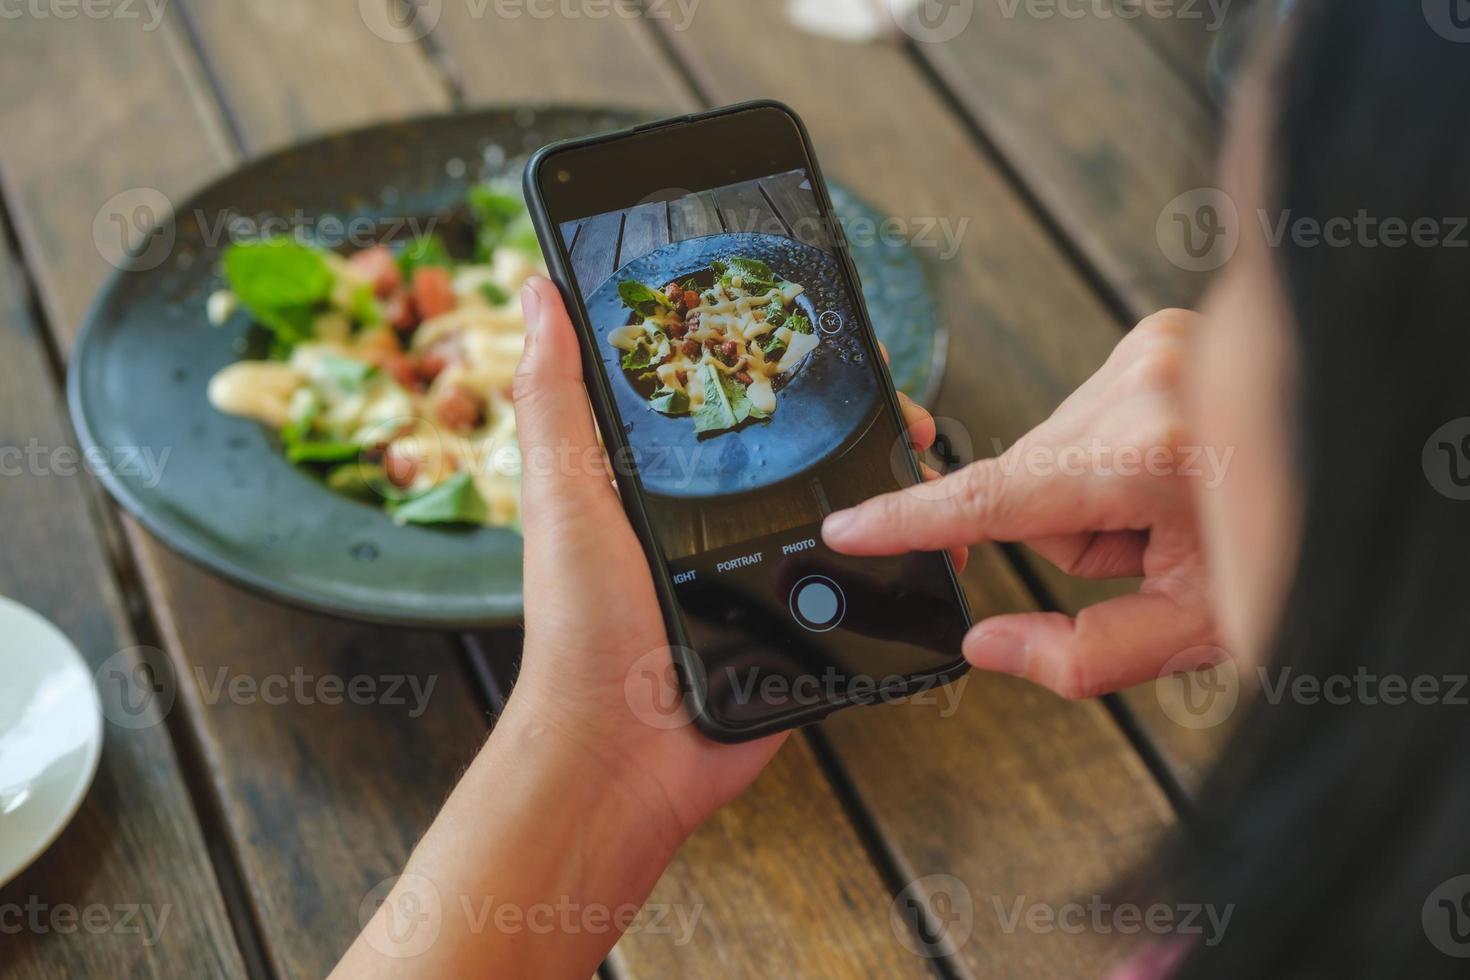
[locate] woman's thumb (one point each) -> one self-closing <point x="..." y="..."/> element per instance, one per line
<point x="562" y="464"/>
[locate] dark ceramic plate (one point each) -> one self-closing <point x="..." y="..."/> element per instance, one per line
<point x="223" y="496"/>
<point x="818" y="409"/>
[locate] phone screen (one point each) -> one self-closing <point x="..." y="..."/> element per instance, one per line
<point x="749" y="392"/>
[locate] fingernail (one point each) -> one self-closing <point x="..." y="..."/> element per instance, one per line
<point x="531" y="305"/>
<point x="838" y="523"/>
<point x="996" y="650"/>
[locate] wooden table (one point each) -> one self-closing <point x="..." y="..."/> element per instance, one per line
<point x="258" y="829"/>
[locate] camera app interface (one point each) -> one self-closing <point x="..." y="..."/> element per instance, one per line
<point x="753" y="408"/>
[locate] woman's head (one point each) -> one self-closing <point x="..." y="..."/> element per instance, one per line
<point x="1341" y="559"/>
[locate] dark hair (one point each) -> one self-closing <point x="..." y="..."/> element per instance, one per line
<point x="1326" y="826"/>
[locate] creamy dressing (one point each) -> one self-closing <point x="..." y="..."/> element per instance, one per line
<point x="259" y="390"/>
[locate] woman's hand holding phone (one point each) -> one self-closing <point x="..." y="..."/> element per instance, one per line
<point x="594" y="631"/>
<point x="1102" y="489"/>
<point x="595" y="636"/>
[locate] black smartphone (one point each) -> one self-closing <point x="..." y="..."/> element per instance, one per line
<point x="742" y="396"/>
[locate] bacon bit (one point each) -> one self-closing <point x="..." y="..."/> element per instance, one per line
<point x="400" y="313"/>
<point x="433" y="291"/>
<point x="691" y="348"/>
<point x="673" y="291"/>
<point x="678" y="329"/>
<point x="743" y="377"/>
<point x="400" y="470"/>
<point x="460" y="409"/>
<point x="692" y="321"/>
<point x="711" y="343"/>
<point x="683" y="375"/>
<point x="691" y="298"/>
<point x="378" y="266"/>
<point x="431" y="365"/>
<point x="404" y="370"/>
<point x="731" y="349"/>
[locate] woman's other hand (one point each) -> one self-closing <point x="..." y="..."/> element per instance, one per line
<point x="1104" y="489"/>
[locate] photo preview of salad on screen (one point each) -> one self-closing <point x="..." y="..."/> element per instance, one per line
<point x="728" y="334"/>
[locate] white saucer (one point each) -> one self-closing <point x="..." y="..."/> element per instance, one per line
<point x="50" y="735"/>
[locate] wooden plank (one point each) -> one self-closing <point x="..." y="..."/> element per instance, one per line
<point x="569" y="232"/>
<point x="1026" y="330"/>
<point x="745" y="209"/>
<point x="300" y="79"/>
<point x="321" y="801"/>
<point x="1184" y="41"/>
<point x="805" y="911"/>
<point x="537" y="53"/>
<point x="646" y="228"/>
<point x="1100" y="130"/>
<point x="695" y="216"/>
<point x="595" y="254"/>
<point x="133" y="115"/>
<point x="136" y="840"/>
<point x="796" y="203"/>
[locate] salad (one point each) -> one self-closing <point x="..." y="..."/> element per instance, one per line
<point x="389" y="369"/>
<point x="715" y="345"/>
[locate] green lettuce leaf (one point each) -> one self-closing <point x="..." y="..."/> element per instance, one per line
<point x="638" y="358"/>
<point x="740" y="402"/>
<point x="670" y="401"/>
<point x="359" y="480"/>
<point x="772" y="346"/>
<point x="501" y="220"/>
<point x="642" y="299"/>
<point x="776" y="314"/>
<point x="715" y="415"/>
<point x="799" y="323"/>
<point x="455" y="501"/>
<point x="365" y="309"/>
<point x="755" y="276"/>
<point x="321" y="451"/>
<point x="282" y="283"/>
<point x="425" y="251"/>
<point x="726" y="403"/>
